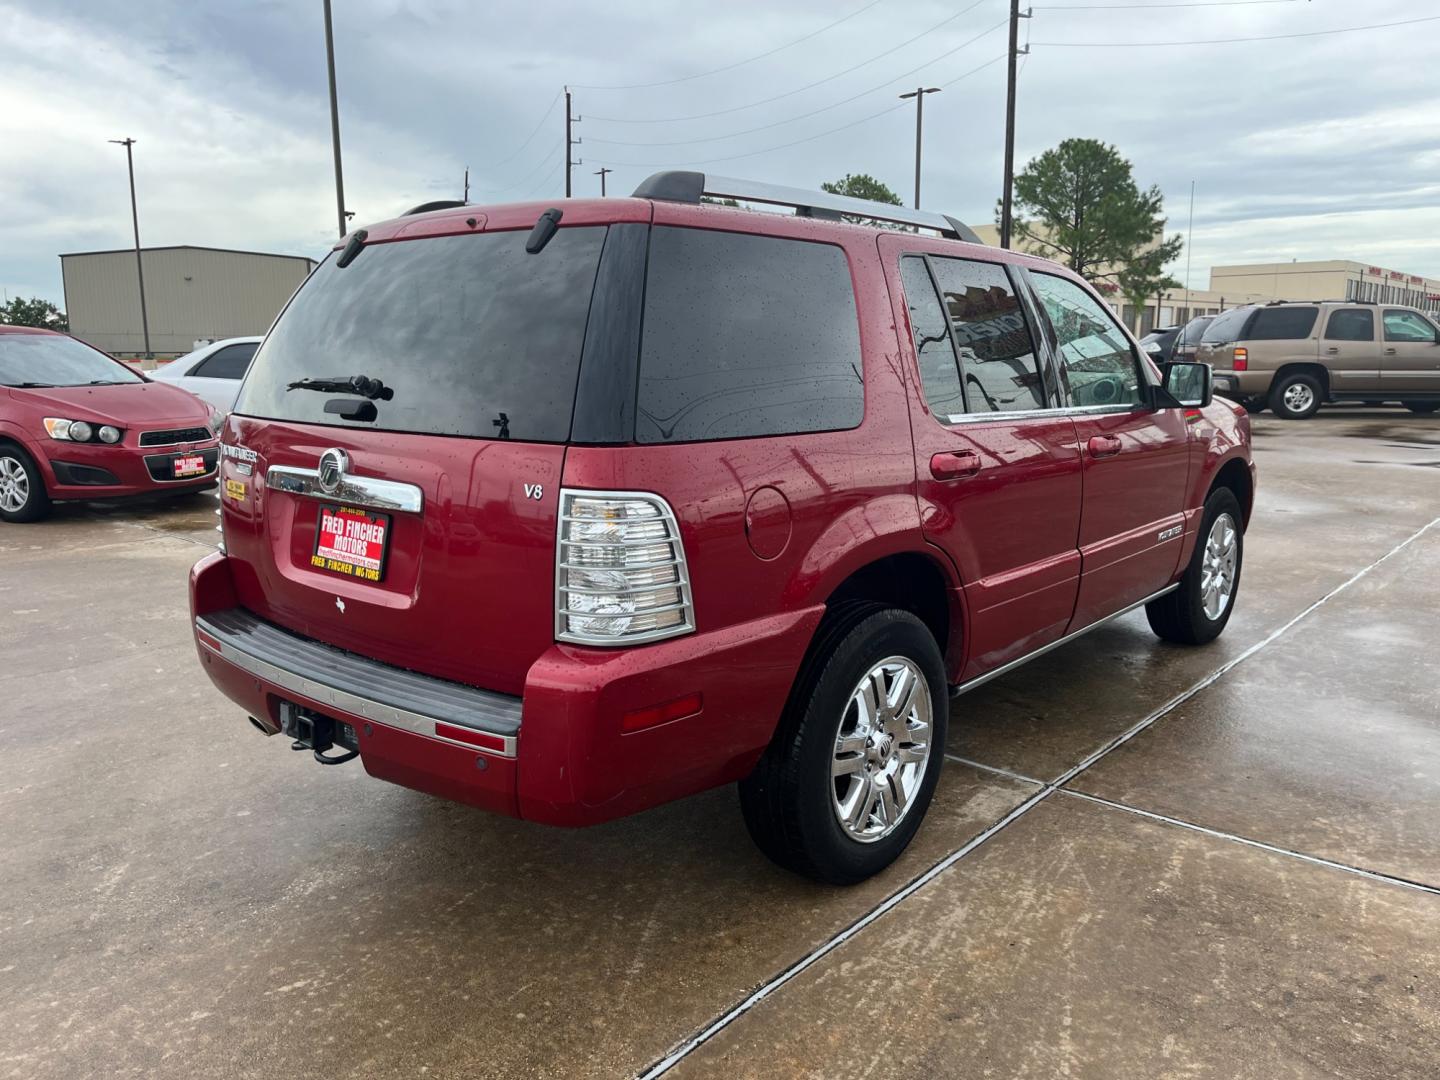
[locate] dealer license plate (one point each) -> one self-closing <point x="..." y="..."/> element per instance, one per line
<point x="351" y="542"/>
<point x="189" y="465"/>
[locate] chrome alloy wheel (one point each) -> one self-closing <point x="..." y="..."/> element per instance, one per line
<point x="1299" y="397"/>
<point x="14" y="485"/>
<point x="882" y="748"/>
<point x="1218" y="567"/>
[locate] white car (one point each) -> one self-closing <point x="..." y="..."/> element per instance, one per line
<point x="213" y="372"/>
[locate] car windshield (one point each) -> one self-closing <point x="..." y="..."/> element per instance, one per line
<point x="55" y="360"/>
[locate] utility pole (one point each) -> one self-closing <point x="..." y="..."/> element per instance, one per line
<point x="334" y="120"/>
<point x="919" y="95"/>
<point x="135" y="220"/>
<point x="466" y="196"/>
<point x="601" y="173"/>
<point x="570" y="162"/>
<point x="1189" y="245"/>
<point x="1006" y="213"/>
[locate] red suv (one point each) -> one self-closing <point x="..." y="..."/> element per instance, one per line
<point x="568" y="514"/>
<point x="76" y="424"/>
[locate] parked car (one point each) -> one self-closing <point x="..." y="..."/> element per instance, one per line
<point x="658" y="500"/>
<point x="1188" y="342"/>
<point x="213" y="372"/>
<point x="1160" y="343"/>
<point x="75" y="424"/>
<point x="1296" y="357"/>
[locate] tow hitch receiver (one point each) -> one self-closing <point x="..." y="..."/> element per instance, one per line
<point x="316" y="733"/>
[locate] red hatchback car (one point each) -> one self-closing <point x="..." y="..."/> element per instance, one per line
<point x="566" y="513"/>
<point x="76" y="424"/>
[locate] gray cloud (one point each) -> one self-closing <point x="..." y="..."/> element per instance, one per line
<point x="1308" y="148"/>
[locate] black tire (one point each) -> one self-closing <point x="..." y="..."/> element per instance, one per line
<point x="789" y="800"/>
<point x="1423" y="408"/>
<point x="1301" y="385"/>
<point x="1180" y="616"/>
<point x="36" y="504"/>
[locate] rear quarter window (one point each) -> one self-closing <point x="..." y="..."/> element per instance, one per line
<point x="1282" y="324"/>
<point x="746" y="336"/>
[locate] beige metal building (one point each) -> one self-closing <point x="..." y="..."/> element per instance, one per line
<point x="1336" y="279"/>
<point x="192" y="294"/>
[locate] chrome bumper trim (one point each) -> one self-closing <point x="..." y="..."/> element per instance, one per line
<point x="360" y="686"/>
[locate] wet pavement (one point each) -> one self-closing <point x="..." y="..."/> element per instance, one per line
<point x="1229" y="892"/>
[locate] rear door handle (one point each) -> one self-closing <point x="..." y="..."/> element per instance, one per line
<point x="1333" y="350"/>
<point x="1103" y="445"/>
<point x="1389" y="352"/>
<point x="954" y="465"/>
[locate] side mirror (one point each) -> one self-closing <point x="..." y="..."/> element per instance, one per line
<point x="1189" y="384"/>
<point x="1156" y="352"/>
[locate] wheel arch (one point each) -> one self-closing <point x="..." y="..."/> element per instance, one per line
<point x="1235" y="475"/>
<point x="1304" y="367"/>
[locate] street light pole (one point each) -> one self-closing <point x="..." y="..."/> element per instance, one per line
<point x="135" y="220"/>
<point x="334" y="120"/>
<point x="919" y="95"/>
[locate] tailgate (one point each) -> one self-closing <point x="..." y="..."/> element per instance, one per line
<point x="466" y="586"/>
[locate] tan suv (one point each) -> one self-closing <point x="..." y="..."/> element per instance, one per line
<point x="1295" y="357"/>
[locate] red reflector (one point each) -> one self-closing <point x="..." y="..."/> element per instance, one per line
<point x="678" y="709"/>
<point x="482" y="739"/>
<point x="209" y="642"/>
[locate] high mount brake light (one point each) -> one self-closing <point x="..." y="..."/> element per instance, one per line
<point x="620" y="572"/>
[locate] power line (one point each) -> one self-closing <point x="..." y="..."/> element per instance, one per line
<point x="738" y="63"/>
<point x="802" y="89"/>
<point x="1228" y="41"/>
<point x="528" y="176"/>
<point x="545" y="116"/>
<point x="794" y="142"/>
<point x="813" y="112"/>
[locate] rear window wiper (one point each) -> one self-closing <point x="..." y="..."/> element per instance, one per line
<point x="362" y="385"/>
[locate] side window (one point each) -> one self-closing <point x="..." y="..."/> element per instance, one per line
<point x="230" y="362"/>
<point x="1350" y="324"/>
<point x="998" y="366"/>
<point x="1099" y="363"/>
<point x="1283" y="324"/>
<point x="939" y="374"/>
<point x="746" y="336"/>
<point x="1407" y="326"/>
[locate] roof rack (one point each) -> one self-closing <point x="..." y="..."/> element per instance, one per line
<point x="438" y="204"/>
<point x="689" y="187"/>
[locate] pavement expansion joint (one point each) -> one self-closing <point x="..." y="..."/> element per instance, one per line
<point x="1316" y="860"/>
<point x="766" y="989"/>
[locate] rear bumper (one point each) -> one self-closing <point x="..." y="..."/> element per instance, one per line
<point x="1242" y="384"/>
<point x="559" y="754"/>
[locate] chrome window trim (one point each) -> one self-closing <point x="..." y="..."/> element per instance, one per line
<point x="1033" y="414"/>
<point x="353" y="490"/>
<point x="678" y="560"/>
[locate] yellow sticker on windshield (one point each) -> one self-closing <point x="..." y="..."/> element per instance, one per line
<point x="235" y="489"/>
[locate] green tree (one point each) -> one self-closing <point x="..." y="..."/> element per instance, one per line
<point x="862" y="186"/>
<point x="33" y="312"/>
<point x="1079" y="204"/>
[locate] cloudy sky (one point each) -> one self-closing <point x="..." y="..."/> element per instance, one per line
<point x="1322" y="146"/>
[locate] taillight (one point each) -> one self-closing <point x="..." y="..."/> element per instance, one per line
<point x="1240" y="359"/>
<point x="620" y="574"/>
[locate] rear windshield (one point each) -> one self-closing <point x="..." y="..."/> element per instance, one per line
<point x="469" y="334"/>
<point x="1282" y="324"/>
<point x="55" y="360"/>
<point x="1227" y="326"/>
<point x="1194" y="330"/>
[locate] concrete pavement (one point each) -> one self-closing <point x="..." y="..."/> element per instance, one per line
<point x="183" y="898"/>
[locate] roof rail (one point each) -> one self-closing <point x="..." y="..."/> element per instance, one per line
<point x="689" y="187"/>
<point x="438" y="204"/>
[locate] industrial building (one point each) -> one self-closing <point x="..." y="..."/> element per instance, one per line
<point x="192" y="295"/>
